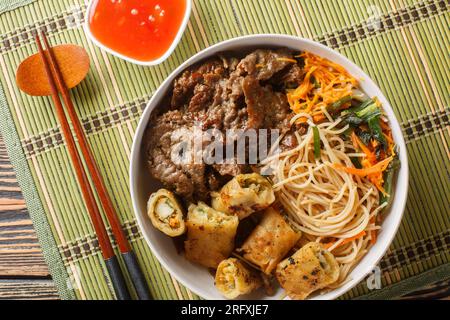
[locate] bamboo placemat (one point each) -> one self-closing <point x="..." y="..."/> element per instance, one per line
<point x="402" y="44"/>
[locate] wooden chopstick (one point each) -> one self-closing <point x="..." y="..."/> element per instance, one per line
<point x="116" y="227"/>
<point x="103" y="238"/>
<point x="102" y="235"/>
<point x="128" y="255"/>
<point x="136" y="274"/>
<point x="57" y="84"/>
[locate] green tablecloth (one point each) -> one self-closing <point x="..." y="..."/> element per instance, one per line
<point x="402" y="44"/>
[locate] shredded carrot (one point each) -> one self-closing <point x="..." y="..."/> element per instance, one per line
<point x="387" y="133"/>
<point x="373" y="233"/>
<point x="378" y="168"/>
<point x="319" y="118"/>
<point x="328" y="245"/>
<point x="334" y="81"/>
<point x="373" y="237"/>
<point x="384" y="126"/>
<point x="372" y="168"/>
<point x="348" y="240"/>
<point x="302" y="91"/>
<point x="357" y="143"/>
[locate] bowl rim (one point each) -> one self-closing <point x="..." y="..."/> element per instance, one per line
<point x="402" y="176"/>
<point x="154" y="62"/>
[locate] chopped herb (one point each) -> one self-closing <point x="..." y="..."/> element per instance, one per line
<point x="335" y="107"/>
<point x="365" y="136"/>
<point x="359" y="107"/>
<point x="389" y="180"/>
<point x="315" y="82"/>
<point x="376" y="131"/>
<point x="347" y="133"/>
<point x="370" y="111"/>
<point x="366" y="112"/>
<point x="356" y="162"/>
<point x="316" y="143"/>
<point x="353" y="120"/>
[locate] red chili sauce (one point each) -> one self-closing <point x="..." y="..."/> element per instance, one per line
<point x="139" y="29"/>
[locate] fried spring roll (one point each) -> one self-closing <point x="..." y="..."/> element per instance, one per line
<point x="311" y="268"/>
<point x="165" y="213"/>
<point x="210" y="235"/>
<point x="245" y="194"/>
<point x="234" y="279"/>
<point x="270" y="241"/>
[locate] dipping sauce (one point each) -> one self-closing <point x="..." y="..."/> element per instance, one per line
<point x="139" y="29"/>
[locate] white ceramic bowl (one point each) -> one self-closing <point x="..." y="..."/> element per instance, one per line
<point x="161" y="59"/>
<point x="198" y="279"/>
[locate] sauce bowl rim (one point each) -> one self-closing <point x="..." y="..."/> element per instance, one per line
<point x="154" y="62"/>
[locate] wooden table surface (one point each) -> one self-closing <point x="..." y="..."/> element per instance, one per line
<point x="23" y="272"/>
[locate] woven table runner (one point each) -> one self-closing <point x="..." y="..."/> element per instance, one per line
<point x="402" y="44"/>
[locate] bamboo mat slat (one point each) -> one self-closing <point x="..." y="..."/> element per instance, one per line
<point x="402" y="44"/>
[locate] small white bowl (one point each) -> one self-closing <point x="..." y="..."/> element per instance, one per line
<point x="161" y="59"/>
<point x="198" y="279"/>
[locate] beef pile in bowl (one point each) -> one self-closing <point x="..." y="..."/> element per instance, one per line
<point x="222" y="93"/>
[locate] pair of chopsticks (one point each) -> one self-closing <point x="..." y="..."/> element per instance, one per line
<point x="58" y="86"/>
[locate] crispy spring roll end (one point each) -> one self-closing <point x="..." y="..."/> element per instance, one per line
<point x="165" y="213"/>
<point x="244" y="195"/>
<point x="234" y="279"/>
<point x="310" y="269"/>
